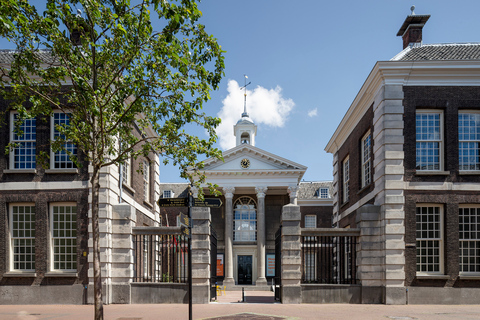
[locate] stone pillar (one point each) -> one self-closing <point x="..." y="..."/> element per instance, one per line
<point x="201" y="267"/>
<point x="123" y="219"/>
<point x="291" y="254"/>
<point x="261" y="236"/>
<point x="228" y="193"/>
<point x="370" y="254"/>
<point x="292" y="192"/>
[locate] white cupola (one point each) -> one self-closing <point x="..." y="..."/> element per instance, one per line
<point x="245" y="131"/>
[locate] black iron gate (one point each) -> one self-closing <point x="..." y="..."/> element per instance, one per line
<point x="213" y="264"/>
<point x="278" y="265"/>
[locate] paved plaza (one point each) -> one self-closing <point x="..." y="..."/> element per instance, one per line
<point x="258" y="306"/>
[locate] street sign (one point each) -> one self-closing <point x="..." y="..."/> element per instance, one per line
<point x="184" y="220"/>
<point x="208" y="202"/>
<point x="173" y="202"/>
<point x="183" y="202"/>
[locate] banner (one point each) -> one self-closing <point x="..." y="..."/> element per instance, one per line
<point x="220" y="265"/>
<point x="270" y="265"/>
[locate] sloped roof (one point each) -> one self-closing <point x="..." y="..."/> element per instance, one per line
<point x="448" y="51"/>
<point x="8" y="56"/>
<point x="308" y="188"/>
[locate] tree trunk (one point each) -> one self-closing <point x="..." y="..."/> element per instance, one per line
<point x="97" y="272"/>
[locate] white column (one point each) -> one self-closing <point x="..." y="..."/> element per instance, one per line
<point x="261" y="236"/>
<point x="228" y="193"/>
<point x="292" y="192"/>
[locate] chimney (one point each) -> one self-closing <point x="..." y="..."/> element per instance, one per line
<point x="411" y="30"/>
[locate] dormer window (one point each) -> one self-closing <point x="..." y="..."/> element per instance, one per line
<point x="322" y="193"/>
<point x="245" y="138"/>
<point x="167" y="194"/>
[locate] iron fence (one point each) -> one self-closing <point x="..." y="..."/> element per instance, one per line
<point x="278" y="265"/>
<point x="161" y="254"/>
<point x="329" y="256"/>
<point x="213" y="264"/>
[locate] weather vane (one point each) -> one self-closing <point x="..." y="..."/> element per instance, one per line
<point x="245" y="114"/>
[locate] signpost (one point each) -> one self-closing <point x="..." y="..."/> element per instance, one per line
<point x="185" y="223"/>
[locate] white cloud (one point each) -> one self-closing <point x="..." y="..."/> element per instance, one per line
<point x="264" y="106"/>
<point x="313" y="113"/>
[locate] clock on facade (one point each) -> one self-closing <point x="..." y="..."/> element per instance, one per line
<point x="245" y="163"/>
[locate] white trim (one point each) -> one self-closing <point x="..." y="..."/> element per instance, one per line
<point x="440" y="141"/>
<point x="52" y="138"/>
<point x="440" y="239"/>
<point x="346" y="179"/>
<point x="50" y="185"/>
<point x="11" y="166"/>
<point x="11" y="268"/>
<point x="366" y="177"/>
<point x="465" y="274"/>
<point x="51" y="264"/>
<point x="477" y="141"/>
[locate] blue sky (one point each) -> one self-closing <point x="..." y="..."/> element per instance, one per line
<point x="309" y="59"/>
<point x="306" y="61"/>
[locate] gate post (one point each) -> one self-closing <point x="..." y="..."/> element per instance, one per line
<point x="201" y="220"/>
<point x="370" y="254"/>
<point x="291" y="254"/>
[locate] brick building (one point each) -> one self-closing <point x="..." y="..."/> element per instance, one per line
<point x="407" y="168"/>
<point x="256" y="186"/>
<point x="45" y="238"/>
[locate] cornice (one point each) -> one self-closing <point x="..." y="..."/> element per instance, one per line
<point x="405" y="73"/>
<point x="256" y="152"/>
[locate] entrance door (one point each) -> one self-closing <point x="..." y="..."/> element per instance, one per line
<point x="244" y="269"/>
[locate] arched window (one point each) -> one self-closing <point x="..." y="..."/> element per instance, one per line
<point x="245" y="220"/>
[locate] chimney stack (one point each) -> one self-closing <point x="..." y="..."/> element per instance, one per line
<point x="411" y="30"/>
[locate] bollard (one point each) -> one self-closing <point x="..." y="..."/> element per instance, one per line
<point x="243" y="294"/>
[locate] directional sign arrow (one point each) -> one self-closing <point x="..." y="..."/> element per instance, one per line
<point x="208" y="202"/>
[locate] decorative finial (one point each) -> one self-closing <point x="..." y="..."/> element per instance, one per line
<point x="412" y="8"/>
<point x="245" y="114"/>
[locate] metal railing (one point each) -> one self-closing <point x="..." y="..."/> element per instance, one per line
<point x="277" y="280"/>
<point x="329" y="255"/>
<point x="213" y="264"/>
<point x="161" y="254"/>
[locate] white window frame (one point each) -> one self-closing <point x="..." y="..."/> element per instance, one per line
<point x="242" y="227"/>
<point x="21" y="140"/>
<point x="324" y="193"/>
<point x="310" y="224"/>
<point x="470" y="242"/>
<point x="126" y="172"/>
<point x="430" y="238"/>
<point x="146" y="180"/>
<point x="473" y="142"/>
<point x="346" y="178"/>
<point x="22" y="236"/>
<point x="168" y="194"/>
<point x="420" y="140"/>
<point x="71" y="165"/>
<point x="67" y="237"/>
<point x="366" y="157"/>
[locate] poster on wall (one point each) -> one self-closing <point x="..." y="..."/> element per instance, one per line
<point x="270" y="265"/>
<point x="220" y="265"/>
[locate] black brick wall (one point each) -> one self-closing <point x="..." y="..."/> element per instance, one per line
<point x="352" y="148"/>
<point x="42" y="199"/>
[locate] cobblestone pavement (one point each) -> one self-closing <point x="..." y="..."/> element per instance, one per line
<point x="258" y="306"/>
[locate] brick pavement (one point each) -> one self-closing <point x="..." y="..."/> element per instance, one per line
<point x="228" y="307"/>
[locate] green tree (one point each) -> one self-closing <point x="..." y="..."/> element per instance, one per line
<point x="112" y="66"/>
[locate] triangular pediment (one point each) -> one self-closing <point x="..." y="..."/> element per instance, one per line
<point x="258" y="160"/>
